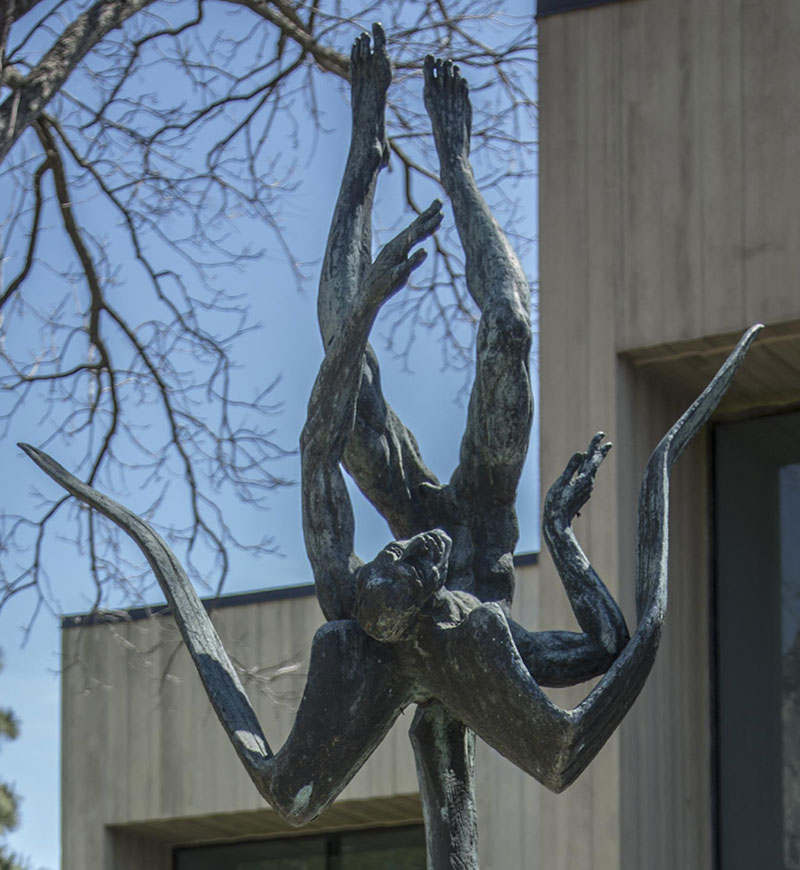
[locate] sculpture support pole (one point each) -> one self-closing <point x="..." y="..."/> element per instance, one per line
<point x="444" y="751"/>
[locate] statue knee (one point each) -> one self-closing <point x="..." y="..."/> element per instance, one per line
<point x="507" y="323"/>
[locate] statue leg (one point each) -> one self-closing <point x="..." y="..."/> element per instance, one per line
<point x="354" y="693"/>
<point x="495" y="442"/>
<point x="348" y="253"/>
<point x="492" y="452"/>
<point x="382" y="454"/>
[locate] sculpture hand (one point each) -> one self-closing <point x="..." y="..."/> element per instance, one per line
<point x="393" y="266"/>
<point x="573" y="488"/>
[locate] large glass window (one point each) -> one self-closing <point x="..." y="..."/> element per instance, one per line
<point x="757" y="549"/>
<point x="386" y="848"/>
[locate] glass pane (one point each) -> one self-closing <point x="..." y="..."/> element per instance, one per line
<point x="301" y="853"/>
<point x="757" y="546"/>
<point x="789" y="486"/>
<point x="391" y="849"/>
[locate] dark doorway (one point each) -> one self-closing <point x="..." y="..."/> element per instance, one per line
<point x="757" y="552"/>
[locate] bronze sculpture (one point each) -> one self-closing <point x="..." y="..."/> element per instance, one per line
<point x="427" y="621"/>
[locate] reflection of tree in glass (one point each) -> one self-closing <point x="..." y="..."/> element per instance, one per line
<point x="398" y="859"/>
<point x="304" y="853"/>
<point x="789" y="489"/>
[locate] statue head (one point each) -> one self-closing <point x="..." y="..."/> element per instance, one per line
<point x="396" y="584"/>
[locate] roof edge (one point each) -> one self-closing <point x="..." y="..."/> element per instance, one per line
<point x="546" y="8"/>
<point x="235" y="599"/>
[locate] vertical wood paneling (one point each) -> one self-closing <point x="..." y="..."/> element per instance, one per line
<point x="719" y="36"/>
<point x="603" y="275"/>
<point x="129" y="852"/>
<point x="771" y="65"/>
<point x="640" y="306"/>
<point x="562" y="272"/>
<point x="73" y="836"/>
<point x="142" y="743"/>
<point x="665" y="764"/>
<point x="565" y="140"/>
<point x="698" y="99"/>
<point x="764" y="149"/>
<point x="710" y="142"/>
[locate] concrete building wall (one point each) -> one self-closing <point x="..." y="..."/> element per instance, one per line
<point x="670" y="137"/>
<point x="146" y="765"/>
<point x="669" y="191"/>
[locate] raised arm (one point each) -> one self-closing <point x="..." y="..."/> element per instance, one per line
<point x="561" y="658"/>
<point x="222" y="684"/>
<point x="552" y="744"/>
<point x="565" y="658"/>
<point x="327" y="512"/>
<point x="344" y="713"/>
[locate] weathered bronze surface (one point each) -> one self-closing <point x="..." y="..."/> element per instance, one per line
<point x="427" y="621"/>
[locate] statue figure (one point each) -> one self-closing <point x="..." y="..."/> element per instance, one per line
<point x="427" y="621"/>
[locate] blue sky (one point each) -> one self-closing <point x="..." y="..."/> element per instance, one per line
<point x="287" y="345"/>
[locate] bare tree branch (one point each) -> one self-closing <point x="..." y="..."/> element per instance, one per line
<point x="284" y="17"/>
<point x="32" y="236"/>
<point x="23" y="105"/>
<point x="134" y="134"/>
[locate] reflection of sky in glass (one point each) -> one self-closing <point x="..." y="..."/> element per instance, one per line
<point x="789" y="494"/>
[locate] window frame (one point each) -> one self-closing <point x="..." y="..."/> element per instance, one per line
<point x="332" y="841"/>
<point x="771" y="455"/>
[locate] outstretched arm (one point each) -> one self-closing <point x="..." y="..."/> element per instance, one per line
<point x="219" y="677"/>
<point x="344" y="713"/>
<point x="327" y="512"/>
<point x="552" y="744"/>
<point x="565" y="658"/>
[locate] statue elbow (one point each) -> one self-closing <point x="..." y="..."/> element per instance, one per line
<point x="614" y="638"/>
<point x="295" y="807"/>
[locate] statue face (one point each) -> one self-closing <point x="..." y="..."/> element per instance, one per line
<point x="392" y="588"/>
